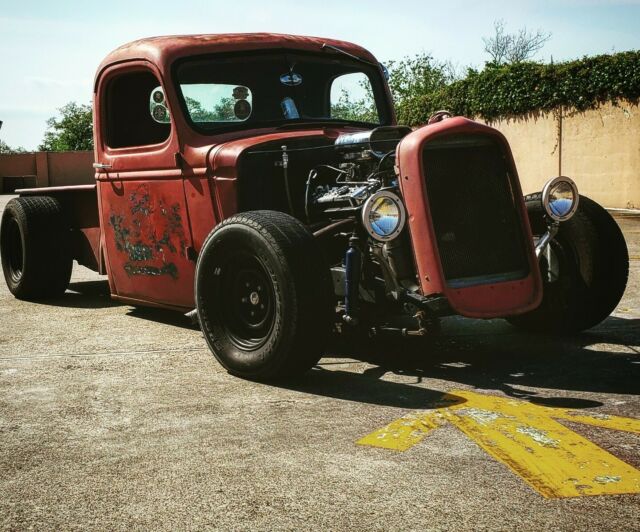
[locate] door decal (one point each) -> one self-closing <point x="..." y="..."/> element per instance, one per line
<point x="151" y="234"/>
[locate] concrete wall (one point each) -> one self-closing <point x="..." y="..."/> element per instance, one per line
<point x="598" y="149"/>
<point x="19" y="164"/>
<point x="50" y="168"/>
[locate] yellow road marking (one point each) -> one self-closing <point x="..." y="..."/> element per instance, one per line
<point x="551" y="458"/>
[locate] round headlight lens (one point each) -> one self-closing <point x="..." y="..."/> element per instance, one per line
<point x="384" y="215"/>
<point x="560" y="198"/>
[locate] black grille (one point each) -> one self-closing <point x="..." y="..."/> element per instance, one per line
<point x="475" y="217"/>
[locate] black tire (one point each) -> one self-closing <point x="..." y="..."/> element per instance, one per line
<point x="593" y="270"/>
<point x="264" y="296"/>
<point x="35" y="248"/>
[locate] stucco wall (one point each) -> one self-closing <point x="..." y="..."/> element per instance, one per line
<point x="599" y="149"/>
<point x="70" y="168"/>
<point x="18" y="165"/>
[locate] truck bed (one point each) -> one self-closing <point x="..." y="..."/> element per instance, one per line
<point x="80" y="202"/>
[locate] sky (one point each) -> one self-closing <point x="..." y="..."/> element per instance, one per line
<point x="49" y="51"/>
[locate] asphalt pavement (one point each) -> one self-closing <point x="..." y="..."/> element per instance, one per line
<point x="115" y="417"/>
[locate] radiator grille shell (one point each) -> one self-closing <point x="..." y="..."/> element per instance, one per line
<point x="474" y="211"/>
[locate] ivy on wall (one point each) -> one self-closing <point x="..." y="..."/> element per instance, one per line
<point x="522" y="88"/>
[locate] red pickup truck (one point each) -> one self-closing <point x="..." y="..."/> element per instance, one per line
<point x="236" y="178"/>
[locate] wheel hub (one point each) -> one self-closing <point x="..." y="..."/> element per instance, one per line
<point x="248" y="295"/>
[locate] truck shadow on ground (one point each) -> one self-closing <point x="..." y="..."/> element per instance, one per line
<point x="168" y="317"/>
<point x="85" y="294"/>
<point x="487" y="357"/>
<point x="96" y="294"/>
<point x="359" y="388"/>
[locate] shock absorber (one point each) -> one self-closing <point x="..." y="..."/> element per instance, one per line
<point x="353" y="267"/>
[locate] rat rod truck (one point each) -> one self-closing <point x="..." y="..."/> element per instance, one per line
<point x="236" y="178"/>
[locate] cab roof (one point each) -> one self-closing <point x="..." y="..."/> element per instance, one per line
<point x="163" y="51"/>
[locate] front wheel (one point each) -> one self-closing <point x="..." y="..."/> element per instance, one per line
<point x="584" y="272"/>
<point x="264" y="296"/>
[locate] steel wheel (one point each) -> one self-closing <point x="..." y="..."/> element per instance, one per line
<point x="14" y="249"/>
<point x="264" y="295"/>
<point x="247" y="291"/>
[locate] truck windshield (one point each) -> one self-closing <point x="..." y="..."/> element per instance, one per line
<point x="266" y="89"/>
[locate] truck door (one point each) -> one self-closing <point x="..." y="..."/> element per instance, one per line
<point x="143" y="214"/>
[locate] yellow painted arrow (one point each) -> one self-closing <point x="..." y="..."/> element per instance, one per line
<point x="554" y="460"/>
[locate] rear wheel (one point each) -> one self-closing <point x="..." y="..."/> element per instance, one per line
<point x="584" y="272"/>
<point x="35" y="248"/>
<point x="264" y="296"/>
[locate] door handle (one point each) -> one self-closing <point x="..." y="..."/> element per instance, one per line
<point x="100" y="166"/>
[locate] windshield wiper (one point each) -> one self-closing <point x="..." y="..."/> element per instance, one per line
<point x="344" y="52"/>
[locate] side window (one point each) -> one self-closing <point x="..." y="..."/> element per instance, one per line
<point x="352" y="98"/>
<point x="131" y="120"/>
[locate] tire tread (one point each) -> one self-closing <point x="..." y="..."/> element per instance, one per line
<point x="46" y="240"/>
<point x="295" y="246"/>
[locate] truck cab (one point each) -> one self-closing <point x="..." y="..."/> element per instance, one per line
<point x="173" y="117"/>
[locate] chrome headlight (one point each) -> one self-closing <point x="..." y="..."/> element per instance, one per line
<point x="383" y="215"/>
<point x="560" y="198"/>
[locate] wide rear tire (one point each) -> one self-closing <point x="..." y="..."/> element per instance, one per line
<point x="593" y="267"/>
<point x="264" y="296"/>
<point x="35" y="248"/>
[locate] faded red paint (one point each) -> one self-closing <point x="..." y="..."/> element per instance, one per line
<point x="223" y="161"/>
<point x="147" y="238"/>
<point x="482" y="301"/>
<point x="163" y="51"/>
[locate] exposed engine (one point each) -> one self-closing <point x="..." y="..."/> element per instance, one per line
<point x="366" y="167"/>
<point x="363" y="187"/>
<point x="350" y="199"/>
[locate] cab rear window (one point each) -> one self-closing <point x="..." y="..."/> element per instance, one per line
<point x="217" y="102"/>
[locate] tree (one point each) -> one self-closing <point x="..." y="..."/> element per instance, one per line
<point x="505" y="48"/>
<point x="196" y="111"/>
<point x="414" y="81"/>
<point x="224" y="111"/>
<point x="421" y="74"/>
<point x="5" y="149"/>
<point x="409" y="78"/>
<point x="72" y="130"/>
<point x="347" y="108"/>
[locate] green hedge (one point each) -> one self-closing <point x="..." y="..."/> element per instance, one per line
<point x="523" y="88"/>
